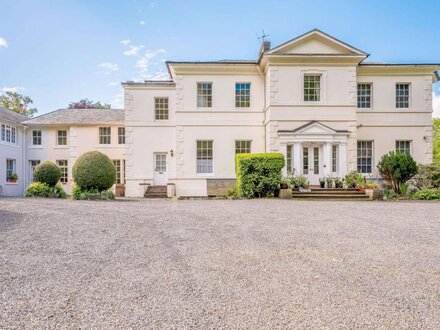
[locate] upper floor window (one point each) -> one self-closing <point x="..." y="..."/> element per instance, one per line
<point x="242" y="146"/>
<point x="36" y="137"/>
<point x="8" y="134"/>
<point x="62" y="137"/>
<point x="242" y="95"/>
<point x="365" y="156"/>
<point x="312" y="88"/>
<point x="204" y="157"/>
<point x="364" y="96"/>
<point x="161" y="108"/>
<point x="63" y="165"/>
<point x="403" y="146"/>
<point x="121" y="135"/>
<point x="402" y="95"/>
<point x="204" y="95"/>
<point x="105" y="135"/>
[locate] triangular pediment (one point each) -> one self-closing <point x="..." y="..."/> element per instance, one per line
<point x="315" y="42"/>
<point x="314" y="127"/>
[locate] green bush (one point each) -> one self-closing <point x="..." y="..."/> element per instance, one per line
<point x="396" y="168"/>
<point x="48" y="173"/>
<point x="258" y="175"/>
<point x="40" y="189"/>
<point x="428" y="176"/>
<point x="427" y="194"/>
<point x="354" y="179"/>
<point x="299" y="181"/>
<point x="94" y="170"/>
<point x="79" y="193"/>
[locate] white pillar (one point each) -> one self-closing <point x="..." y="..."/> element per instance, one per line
<point x="296" y="152"/>
<point x="327" y="159"/>
<point x="283" y="150"/>
<point x="343" y="159"/>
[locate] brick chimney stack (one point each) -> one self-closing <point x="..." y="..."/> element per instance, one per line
<point x="22" y="110"/>
<point x="265" y="46"/>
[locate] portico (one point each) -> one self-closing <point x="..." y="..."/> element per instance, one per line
<point x="315" y="151"/>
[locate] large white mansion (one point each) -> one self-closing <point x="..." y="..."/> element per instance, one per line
<point x="313" y="98"/>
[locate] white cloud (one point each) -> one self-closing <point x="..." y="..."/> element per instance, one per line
<point x="125" y="42"/>
<point x="118" y="101"/>
<point x="142" y="22"/>
<point x="113" y="83"/>
<point x="133" y="50"/>
<point x="3" y="43"/>
<point x="436" y="105"/>
<point x="11" y="89"/>
<point x="108" y="67"/>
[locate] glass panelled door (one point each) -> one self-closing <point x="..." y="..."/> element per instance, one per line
<point x="160" y="169"/>
<point x="312" y="163"/>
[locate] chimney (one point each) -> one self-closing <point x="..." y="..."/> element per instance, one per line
<point x="22" y="110"/>
<point x="265" y="46"/>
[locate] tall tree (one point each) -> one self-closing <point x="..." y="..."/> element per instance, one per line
<point x="88" y="104"/>
<point x="17" y="103"/>
<point x="436" y="140"/>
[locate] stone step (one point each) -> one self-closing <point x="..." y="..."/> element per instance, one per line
<point x="156" y="192"/>
<point x="324" y="192"/>
<point x="330" y="196"/>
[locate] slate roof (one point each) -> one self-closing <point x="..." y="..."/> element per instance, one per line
<point x="12" y="116"/>
<point x="79" y="117"/>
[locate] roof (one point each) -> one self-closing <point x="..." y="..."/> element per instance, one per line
<point x="150" y="83"/>
<point x="12" y="116"/>
<point x="79" y="117"/>
<point x="310" y="123"/>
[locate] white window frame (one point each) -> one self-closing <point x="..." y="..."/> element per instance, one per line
<point x="243" y="95"/>
<point x="121" y="135"/>
<point x="104" y="137"/>
<point x="289" y="159"/>
<point x="398" y="147"/>
<point x="33" y="163"/>
<point x="203" y="169"/>
<point x="397" y="96"/>
<point x="10" y="171"/>
<point x="335" y="158"/>
<point x="319" y="89"/>
<point x="161" y="108"/>
<point x="242" y="145"/>
<point x="37" y="136"/>
<point x="361" y="103"/>
<point x="8" y="134"/>
<point x="358" y="157"/>
<point x="61" y="137"/>
<point x="201" y="103"/>
<point x="63" y="164"/>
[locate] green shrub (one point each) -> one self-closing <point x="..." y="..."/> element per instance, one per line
<point x="48" y="173"/>
<point x="427" y="194"/>
<point x="428" y="176"/>
<point x="354" y="179"/>
<point x="232" y="193"/>
<point x="94" y="170"/>
<point x="79" y="193"/>
<point x="40" y="189"/>
<point x="396" y="168"/>
<point x="258" y="175"/>
<point x="299" y="181"/>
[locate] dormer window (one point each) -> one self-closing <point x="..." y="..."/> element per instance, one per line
<point x="312" y="88"/>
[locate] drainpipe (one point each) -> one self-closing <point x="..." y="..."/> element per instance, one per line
<point x="23" y="163"/>
<point x="264" y="105"/>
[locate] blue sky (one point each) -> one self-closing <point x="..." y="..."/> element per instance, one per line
<point x="61" y="51"/>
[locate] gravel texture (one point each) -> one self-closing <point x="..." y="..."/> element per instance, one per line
<point x="203" y="264"/>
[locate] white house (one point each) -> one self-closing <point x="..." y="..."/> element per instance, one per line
<point x="12" y="153"/>
<point x="314" y="98"/>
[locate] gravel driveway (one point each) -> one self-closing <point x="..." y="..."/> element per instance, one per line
<point x="219" y="264"/>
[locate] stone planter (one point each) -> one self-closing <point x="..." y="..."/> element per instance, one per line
<point x="120" y="190"/>
<point x="374" y="194"/>
<point x="285" y="193"/>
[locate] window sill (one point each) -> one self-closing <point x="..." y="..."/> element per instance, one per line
<point x="110" y="145"/>
<point x="11" y="183"/>
<point x="9" y="144"/>
<point x="35" y="147"/>
<point x="205" y="174"/>
<point x="61" y="147"/>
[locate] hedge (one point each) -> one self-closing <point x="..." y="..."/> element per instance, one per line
<point x="40" y="189"/>
<point x="48" y="173"/>
<point x="258" y="175"/>
<point x="94" y="170"/>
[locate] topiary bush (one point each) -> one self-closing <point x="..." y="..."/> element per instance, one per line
<point x="48" y="173"/>
<point x="258" y="175"/>
<point x="79" y="193"/>
<point x="396" y="168"/>
<point x="93" y="170"/>
<point x="40" y="189"/>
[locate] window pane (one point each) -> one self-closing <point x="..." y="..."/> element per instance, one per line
<point x="402" y="95"/>
<point x="204" y="95"/>
<point x="242" y="95"/>
<point x="364" y="156"/>
<point x="364" y="95"/>
<point x="161" y="108"/>
<point x="312" y="88"/>
<point x="62" y="164"/>
<point x="204" y="157"/>
<point x="403" y="146"/>
<point x="121" y="135"/>
<point x="104" y="135"/>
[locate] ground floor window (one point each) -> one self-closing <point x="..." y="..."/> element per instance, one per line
<point x="242" y="147"/>
<point x="10" y="168"/>
<point x="403" y="146"/>
<point x="120" y="170"/>
<point x="33" y="164"/>
<point x="305" y="160"/>
<point x="365" y="156"/>
<point x="334" y="158"/>
<point x="63" y="165"/>
<point x="204" y="157"/>
<point x="289" y="159"/>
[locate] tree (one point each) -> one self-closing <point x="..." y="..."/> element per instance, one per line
<point x="17" y="103"/>
<point x="436" y="140"/>
<point x="396" y="168"/>
<point x="88" y="104"/>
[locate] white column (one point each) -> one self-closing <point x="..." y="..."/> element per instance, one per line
<point x="327" y="159"/>
<point x="343" y="159"/>
<point x="296" y="152"/>
<point x="283" y="150"/>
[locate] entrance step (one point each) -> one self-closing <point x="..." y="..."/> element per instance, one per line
<point x="330" y="193"/>
<point x="156" y="192"/>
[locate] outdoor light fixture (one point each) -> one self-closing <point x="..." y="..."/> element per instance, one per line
<point x="171" y="152"/>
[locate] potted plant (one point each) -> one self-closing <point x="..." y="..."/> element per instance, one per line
<point x="338" y="183"/>
<point x="12" y="178"/>
<point x="284" y="183"/>
<point x="120" y="190"/>
<point x="322" y="182"/>
<point x="329" y="181"/>
<point x="371" y="188"/>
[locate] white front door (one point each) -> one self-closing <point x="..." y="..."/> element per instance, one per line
<point x="160" y="169"/>
<point x="312" y="162"/>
